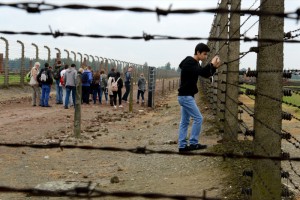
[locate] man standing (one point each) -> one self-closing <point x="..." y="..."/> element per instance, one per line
<point x="58" y="87"/>
<point x="127" y="83"/>
<point x="70" y="82"/>
<point x="190" y="71"/>
<point x="45" y="78"/>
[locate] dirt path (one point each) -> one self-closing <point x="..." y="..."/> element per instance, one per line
<point x="103" y="126"/>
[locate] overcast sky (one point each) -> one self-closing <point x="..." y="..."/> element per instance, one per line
<point x="155" y="53"/>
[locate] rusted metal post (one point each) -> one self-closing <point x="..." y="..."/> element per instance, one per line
<point x="77" y="104"/>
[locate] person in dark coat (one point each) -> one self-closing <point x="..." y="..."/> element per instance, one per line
<point x="190" y="71"/>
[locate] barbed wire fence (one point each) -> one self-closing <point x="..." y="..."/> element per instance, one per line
<point x="224" y="93"/>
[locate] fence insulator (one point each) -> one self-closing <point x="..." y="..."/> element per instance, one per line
<point x="241" y="111"/>
<point x="285" y="136"/>
<point x="221" y="131"/>
<point x="285" y="155"/>
<point x="287" y="75"/>
<point x="254" y="49"/>
<point x="287" y="92"/>
<point x="240" y="103"/>
<point x="223" y="91"/>
<point x="221" y="110"/>
<point x="222" y="120"/>
<point x="250" y="133"/>
<point x="240" y="132"/>
<point x="285" y="174"/>
<point x="248" y="173"/>
<point x="241" y="92"/>
<point x="288" y="35"/>
<point x="247" y="191"/>
<point x="223" y="82"/>
<point x="285" y="192"/>
<point x="251" y="74"/>
<point x="286" y="116"/>
<point x="222" y="102"/>
<point x="240" y="121"/>
<point x="251" y="92"/>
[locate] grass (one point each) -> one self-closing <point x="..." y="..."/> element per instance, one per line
<point x="13" y="79"/>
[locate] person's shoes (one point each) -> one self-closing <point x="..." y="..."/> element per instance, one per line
<point x="197" y="147"/>
<point x="137" y="102"/>
<point x="120" y="106"/>
<point x="115" y="107"/>
<point x="48" y="106"/>
<point x="33" y="105"/>
<point x="184" y="150"/>
<point x="41" y="105"/>
<point x="66" y="107"/>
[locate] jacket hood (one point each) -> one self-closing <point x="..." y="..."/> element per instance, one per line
<point x="188" y="61"/>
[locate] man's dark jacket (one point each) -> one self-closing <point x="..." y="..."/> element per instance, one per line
<point x="190" y="71"/>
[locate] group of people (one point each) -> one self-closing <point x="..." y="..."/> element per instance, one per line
<point x="97" y="83"/>
<point x="94" y="85"/>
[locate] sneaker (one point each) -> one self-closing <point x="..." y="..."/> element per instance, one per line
<point x="66" y="107"/>
<point x="185" y="149"/>
<point x="115" y="107"/>
<point x="197" y="146"/>
<point x="120" y="106"/>
<point x="137" y="102"/>
<point x="48" y="106"/>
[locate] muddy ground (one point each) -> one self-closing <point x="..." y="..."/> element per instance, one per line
<point x="112" y="171"/>
<point x="103" y="126"/>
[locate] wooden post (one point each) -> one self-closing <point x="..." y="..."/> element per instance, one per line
<point x="232" y="92"/>
<point x="223" y="55"/>
<point x="163" y="87"/>
<point x="131" y="95"/>
<point x="77" y="104"/>
<point x="266" y="182"/>
<point x="173" y="85"/>
<point x="1" y="63"/>
<point x="6" y="67"/>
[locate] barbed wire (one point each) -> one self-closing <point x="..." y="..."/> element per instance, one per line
<point x="32" y="7"/>
<point x="87" y="192"/>
<point x="145" y="37"/>
<point x="143" y="150"/>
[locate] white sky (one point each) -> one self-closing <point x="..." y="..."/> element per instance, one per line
<point x="155" y="53"/>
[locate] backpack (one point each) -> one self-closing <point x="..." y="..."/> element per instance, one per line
<point x="44" y="76"/>
<point x="85" y="77"/>
<point x="56" y="73"/>
<point x="62" y="80"/>
<point x="28" y="76"/>
<point x="114" y="85"/>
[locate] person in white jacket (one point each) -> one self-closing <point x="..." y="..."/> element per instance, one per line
<point x="36" y="93"/>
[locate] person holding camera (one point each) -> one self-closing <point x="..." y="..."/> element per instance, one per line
<point x="190" y="72"/>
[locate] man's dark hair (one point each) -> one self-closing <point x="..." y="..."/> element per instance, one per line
<point x="73" y="65"/>
<point x="46" y="65"/>
<point x="66" y="66"/>
<point x="201" y="48"/>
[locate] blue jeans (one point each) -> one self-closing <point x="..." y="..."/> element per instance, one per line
<point x="127" y="91"/>
<point x="103" y="90"/>
<point x="70" y="89"/>
<point x="58" y="92"/>
<point x="189" y="109"/>
<point x="96" y="91"/>
<point x="45" y="94"/>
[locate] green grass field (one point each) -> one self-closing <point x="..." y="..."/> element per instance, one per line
<point x="13" y="79"/>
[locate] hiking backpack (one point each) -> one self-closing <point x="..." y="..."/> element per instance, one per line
<point x="85" y="77"/>
<point x="114" y="85"/>
<point x="44" y="76"/>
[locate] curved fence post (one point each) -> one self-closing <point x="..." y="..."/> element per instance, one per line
<point x="80" y="58"/>
<point x="49" y="53"/>
<point x="68" y="56"/>
<point x="36" y="51"/>
<point x="22" y="69"/>
<point x="6" y="67"/>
